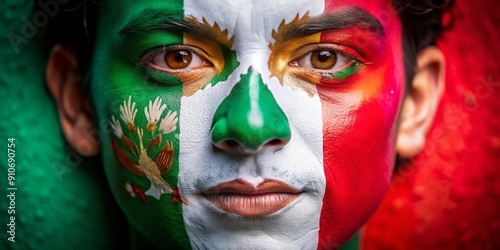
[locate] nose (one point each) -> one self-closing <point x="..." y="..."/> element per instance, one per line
<point x="249" y="119"/>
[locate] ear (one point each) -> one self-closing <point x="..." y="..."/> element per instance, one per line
<point x="65" y="85"/>
<point x="421" y="102"/>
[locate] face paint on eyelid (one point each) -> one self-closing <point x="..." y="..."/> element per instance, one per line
<point x="283" y="51"/>
<point x="219" y="52"/>
<point x="344" y="73"/>
<point x="223" y="59"/>
<point x="212" y="50"/>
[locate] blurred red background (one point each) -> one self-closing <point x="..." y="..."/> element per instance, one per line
<point x="448" y="197"/>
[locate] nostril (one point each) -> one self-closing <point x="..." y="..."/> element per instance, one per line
<point x="231" y="143"/>
<point x="234" y="146"/>
<point x="275" y="142"/>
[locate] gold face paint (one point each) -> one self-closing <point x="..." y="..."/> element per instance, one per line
<point x="195" y="82"/>
<point x="283" y="51"/>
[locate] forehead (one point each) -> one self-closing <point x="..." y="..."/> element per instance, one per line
<point x="256" y="16"/>
<point x="250" y="24"/>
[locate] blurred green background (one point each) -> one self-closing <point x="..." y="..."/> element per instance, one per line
<point x="62" y="200"/>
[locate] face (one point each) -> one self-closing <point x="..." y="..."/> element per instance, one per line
<point x="268" y="124"/>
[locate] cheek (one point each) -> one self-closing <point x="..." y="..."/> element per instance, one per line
<point x="358" y="160"/>
<point x="159" y="217"/>
<point x="358" y="150"/>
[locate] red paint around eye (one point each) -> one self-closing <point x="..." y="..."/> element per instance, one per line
<point x="363" y="45"/>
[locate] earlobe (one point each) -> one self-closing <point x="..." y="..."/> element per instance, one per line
<point x="64" y="83"/>
<point x="421" y="102"/>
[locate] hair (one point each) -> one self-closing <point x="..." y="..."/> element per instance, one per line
<point x="422" y="23"/>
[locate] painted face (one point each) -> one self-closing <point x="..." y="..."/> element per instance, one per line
<point x="268" y="124"/>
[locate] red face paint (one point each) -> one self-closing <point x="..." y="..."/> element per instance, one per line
<point x="359" y="124"/>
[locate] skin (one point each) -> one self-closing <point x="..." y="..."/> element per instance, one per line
<point x="257" y="115"/>
<point x="348" y="105"/>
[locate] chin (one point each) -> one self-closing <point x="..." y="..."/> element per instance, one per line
<point x="295" y="226"/>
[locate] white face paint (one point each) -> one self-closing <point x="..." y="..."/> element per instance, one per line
<point x="299" y="164"/>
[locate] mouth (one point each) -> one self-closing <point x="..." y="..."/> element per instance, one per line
<point x="242" y="198"/>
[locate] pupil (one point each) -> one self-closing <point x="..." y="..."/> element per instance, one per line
<point x="178" y="59"/>
<point x="180" y="56"/>
<point x="323" y="56"/>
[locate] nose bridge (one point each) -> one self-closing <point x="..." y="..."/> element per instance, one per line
<point x="249" y="118"/>
<point x="254" y="54"/>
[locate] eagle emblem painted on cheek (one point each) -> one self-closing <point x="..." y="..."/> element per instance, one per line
<point x="136" y="156"/>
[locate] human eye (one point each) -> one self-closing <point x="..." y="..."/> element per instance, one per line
<point x="177" y="59"/>
<point x="178" y="64"/>
<point x="327" y="60"/>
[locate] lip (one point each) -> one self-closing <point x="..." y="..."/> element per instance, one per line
<point x="242" y="198"/>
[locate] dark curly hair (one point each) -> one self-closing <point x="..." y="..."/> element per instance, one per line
<point x="422" y="23"/>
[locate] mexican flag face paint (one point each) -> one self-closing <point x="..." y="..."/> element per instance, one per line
<point x="264" y="124"/>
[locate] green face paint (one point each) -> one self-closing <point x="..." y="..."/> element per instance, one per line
<point x="141" y="147"/>
<point x="250" y="116"/>
<point x="344" y="73"/>
<point x="230" y="65"/>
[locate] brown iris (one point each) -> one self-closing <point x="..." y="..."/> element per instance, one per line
<point x="178" y="59"/>
<point x="323" y="59"/>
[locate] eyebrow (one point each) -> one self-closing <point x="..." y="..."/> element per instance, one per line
<point x="189" y="25"/>
<point x="349" y="17"/>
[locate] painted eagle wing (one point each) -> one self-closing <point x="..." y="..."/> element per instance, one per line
<point x="165" y="158"/>
<point x="125" y="160"/>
